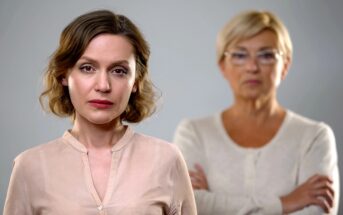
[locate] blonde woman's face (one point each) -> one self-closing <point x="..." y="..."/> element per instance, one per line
<point x="101" y="82"/>
<point x="255" y="67"/>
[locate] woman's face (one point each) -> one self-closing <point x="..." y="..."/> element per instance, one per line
<point x="101" y="81"/>
<point x="255" y="67"/>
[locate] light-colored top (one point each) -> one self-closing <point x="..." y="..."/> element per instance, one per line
<point x="147" y="176"/>
<point x="252" y="180"/>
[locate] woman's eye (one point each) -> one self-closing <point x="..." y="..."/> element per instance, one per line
<point x="87" y="68"/>
<point x="237" y="55"/>
<point x="267" y="55"/>
<point x="119" y="71"/>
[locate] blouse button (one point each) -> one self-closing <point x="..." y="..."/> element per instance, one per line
<point x="100" y="208"/>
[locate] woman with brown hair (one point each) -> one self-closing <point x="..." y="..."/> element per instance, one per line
<point x="99" y="77"/>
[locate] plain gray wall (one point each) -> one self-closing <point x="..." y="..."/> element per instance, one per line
<point x="182" y="38"/>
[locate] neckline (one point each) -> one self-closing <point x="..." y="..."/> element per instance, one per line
<point x="220" y="124"/>
<point x="70" y="139"/>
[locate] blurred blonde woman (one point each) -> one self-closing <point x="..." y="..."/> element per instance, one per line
<point x="257" y="157"/>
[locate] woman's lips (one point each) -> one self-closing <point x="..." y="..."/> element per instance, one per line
<point x="101" y="104"/>
<point x="252" y="81"/>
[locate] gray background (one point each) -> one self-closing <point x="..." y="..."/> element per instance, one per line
<point x="182" y="37"/>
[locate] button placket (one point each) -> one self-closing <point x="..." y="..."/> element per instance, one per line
<point x="250" y="170"/>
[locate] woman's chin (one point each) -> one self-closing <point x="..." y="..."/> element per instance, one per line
<point x="255" y="94"/>
<point x="251" y="95"/>
<point x="102" y="120"/>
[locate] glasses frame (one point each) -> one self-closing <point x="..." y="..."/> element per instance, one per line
<point x="260" y="61"/>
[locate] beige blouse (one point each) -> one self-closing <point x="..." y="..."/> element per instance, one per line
<point x="148" y="176"/>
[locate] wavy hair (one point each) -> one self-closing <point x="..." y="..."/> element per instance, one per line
<point x="73" y="42"/>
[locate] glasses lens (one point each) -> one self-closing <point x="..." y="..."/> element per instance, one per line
<point x="239" y="57"/>
<point x="267" y="57"/>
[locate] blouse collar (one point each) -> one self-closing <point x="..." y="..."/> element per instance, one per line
<point x="124" y="140"/>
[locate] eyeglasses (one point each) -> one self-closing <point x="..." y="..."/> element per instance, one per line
<point x="264" y="57"/>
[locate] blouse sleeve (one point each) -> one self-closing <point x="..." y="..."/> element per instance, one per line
<point x="208" y="202"/>
<point x="320" y="157"/>
<point x="17" y="199"/>
<point x="184" y="201"/>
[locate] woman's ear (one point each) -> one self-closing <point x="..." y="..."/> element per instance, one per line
<point x="222" y="67"/>
<point x="134" y="88"/>
<point x="64" y="82"/>
<point x="286" y="66"/>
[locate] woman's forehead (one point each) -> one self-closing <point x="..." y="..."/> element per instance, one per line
<point x="263" y="40"/>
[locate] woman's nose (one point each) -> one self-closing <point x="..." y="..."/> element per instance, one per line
<point x="252" y="64"/>
<point x="103" y="83"/>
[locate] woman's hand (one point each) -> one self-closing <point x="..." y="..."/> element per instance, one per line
<point x="317" y="190"/>
<point x="198" y="178"/>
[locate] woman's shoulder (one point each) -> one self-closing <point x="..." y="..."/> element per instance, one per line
<point x="151" y="141"/>
<point x="34" y="154"/>
<point x="306" y="122"/>
<point x="200" y="123"/>
<point x="153" y="145"/>
<point x="303" y="123"/>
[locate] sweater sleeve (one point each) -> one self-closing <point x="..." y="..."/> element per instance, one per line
<point x="320" y="157"/>
<point x="17" y="199"/>
<point x="208" y="202"/>
<point x="216" y="203"/>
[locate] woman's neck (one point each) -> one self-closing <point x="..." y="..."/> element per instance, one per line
<point x="97" y="137"/>
<point x="258" y="111"/>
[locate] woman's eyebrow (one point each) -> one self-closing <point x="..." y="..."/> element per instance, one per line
<point x="87" y="59"/>
<point x="114" y="63"/>
<point x="242" y="48"/>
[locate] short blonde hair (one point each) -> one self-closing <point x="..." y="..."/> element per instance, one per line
<point x="249" y="23"/>
<point x="74" y="41"/>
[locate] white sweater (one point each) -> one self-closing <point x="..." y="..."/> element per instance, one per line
<point x="252" y="180"/>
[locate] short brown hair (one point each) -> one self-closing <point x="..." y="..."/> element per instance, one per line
<point x="249" y="23"/>
<point x="74" y="41"/>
